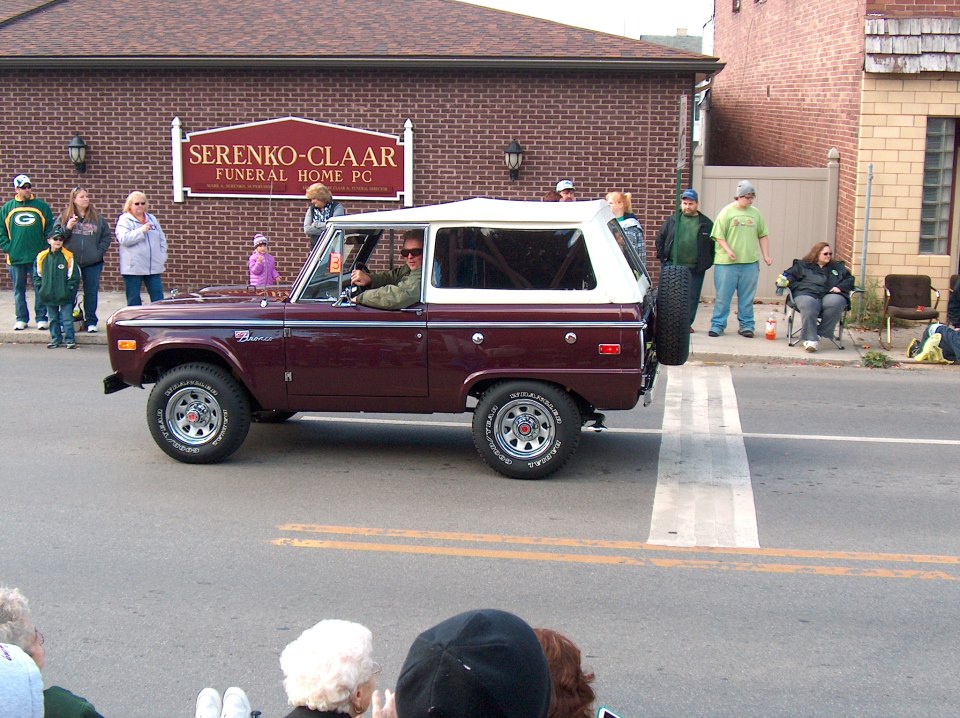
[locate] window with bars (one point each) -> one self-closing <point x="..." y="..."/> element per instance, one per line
<point x="939" y="173"/>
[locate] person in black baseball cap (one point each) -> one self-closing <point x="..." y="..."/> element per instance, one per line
<point x="479" y="664"/>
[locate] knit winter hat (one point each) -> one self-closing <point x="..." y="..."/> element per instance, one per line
<point x="744" y="187"/>
<point x="479" y="664"/>
<point x="259" y="239"/>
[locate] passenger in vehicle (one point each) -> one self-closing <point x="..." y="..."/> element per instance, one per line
<point x="397" y="288"/>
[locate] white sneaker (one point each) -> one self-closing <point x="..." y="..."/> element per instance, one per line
<point x="43" y="325"/>
<point x="208" y="704"/>
<point x="92" y="329"/>
<point x="235" y="704"/>
<point x="19" y="326"/>
<point x="811" y="346"/>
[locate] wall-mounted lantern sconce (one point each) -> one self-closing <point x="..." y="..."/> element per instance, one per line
<point x="513" y="158"/>
<point x="78" y="153"/>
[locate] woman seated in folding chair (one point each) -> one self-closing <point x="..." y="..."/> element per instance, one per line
<point x="821" y="291"/>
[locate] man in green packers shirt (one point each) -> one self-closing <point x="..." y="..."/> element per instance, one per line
<point x="397" y="288"/>
<point x="688" y="244"/>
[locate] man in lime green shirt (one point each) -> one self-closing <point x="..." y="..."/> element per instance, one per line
<point x="740" y="234"/>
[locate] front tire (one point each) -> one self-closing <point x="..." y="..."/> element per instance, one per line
<point x="673" y="315"/>
<point x="198" y="414"/>
<point x="526" y="430"/>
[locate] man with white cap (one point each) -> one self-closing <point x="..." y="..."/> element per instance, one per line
<point x="25" y="224"/>
<point x="567" y="190"/>
<point x="741" y="237"/>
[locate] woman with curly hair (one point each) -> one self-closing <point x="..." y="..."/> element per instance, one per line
<point x="571" y="694"/>
<point x="322" y="208"/>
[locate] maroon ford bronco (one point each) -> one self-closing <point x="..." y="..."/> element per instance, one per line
<point x="533" y="316"/>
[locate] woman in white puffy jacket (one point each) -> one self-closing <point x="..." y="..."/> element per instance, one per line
<point x="143" y="249"/>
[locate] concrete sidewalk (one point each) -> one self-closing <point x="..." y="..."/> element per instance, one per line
<point x="730" y="348"/>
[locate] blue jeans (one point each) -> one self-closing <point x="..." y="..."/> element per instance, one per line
<point x="819" y="317"/>
<point x="132" y="283"/>
<point x="18" y="277"/>
<point x="61" y="323"/>
<point x="91" y="288"/>
<point x="730" y="278"/>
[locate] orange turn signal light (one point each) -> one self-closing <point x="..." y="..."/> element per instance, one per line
<point x="609" y="348"/>
<point x="127" y="345"/>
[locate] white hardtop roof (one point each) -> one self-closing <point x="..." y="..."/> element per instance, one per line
<point x="485" y="211"/>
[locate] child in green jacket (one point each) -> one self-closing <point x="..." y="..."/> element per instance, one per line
<point x="57" y="277"/>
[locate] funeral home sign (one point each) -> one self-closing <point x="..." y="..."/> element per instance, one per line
<point x="280" y="158"/>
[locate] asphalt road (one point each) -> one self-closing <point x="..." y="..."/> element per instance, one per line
<point x="152" y="579"/>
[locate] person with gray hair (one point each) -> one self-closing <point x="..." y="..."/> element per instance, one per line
<point x="329" y="670"/>
<point x="17" y="628"/>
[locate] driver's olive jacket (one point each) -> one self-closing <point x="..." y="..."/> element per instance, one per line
<point x="396" y="289"/>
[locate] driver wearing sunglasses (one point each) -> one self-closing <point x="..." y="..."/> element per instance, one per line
<point x="397" y="288"/>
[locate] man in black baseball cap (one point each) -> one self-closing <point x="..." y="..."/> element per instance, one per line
<point x="479" y="664"/>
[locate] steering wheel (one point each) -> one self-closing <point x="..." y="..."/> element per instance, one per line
<point x="353" y="290"/>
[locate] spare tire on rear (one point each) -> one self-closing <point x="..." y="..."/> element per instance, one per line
<point x="673" y="315"/>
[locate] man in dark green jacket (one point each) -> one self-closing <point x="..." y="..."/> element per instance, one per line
<point x="25" y="224"/>
<point x="689" y="245"/>
<point x="398" y="288"/>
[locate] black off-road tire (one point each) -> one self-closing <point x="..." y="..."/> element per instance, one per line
<point x="526" y="429"/>
<point x="198" y="414"/>
<point x="271" y="417"/>
<point x="673" y="315"/>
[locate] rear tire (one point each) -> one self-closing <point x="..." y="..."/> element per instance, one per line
<point x="673" y="315"/>
<point x="198" y="414"/>
<point x="526" y="430"/>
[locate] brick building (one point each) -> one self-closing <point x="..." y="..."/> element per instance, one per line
<point x="880" y="81"/>
<point x="598" y="108"/>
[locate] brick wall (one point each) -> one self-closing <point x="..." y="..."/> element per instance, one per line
<point x="790" y="90"/>
<point x="614" y="131"/>
<point x="912" y="8"/>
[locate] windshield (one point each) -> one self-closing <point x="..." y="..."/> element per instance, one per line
<point x="334" y="265"/>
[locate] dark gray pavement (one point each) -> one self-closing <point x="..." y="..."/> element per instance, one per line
<point x="728" y="348"/>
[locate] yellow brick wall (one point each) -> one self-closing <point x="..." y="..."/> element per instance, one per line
<point x="893" y="125"/>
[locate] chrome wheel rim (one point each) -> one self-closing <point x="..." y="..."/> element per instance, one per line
<point x="524" y="428"/>
<point x="193" y="416"/>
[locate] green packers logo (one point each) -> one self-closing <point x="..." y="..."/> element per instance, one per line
<point x="25" y="219"/>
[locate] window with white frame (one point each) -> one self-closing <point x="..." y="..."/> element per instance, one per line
<point x="939" y="173"/>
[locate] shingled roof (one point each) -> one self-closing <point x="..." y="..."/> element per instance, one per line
<point x="247" y="33"/>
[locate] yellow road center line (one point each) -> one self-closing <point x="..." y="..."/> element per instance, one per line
<point x="620" y="545"/>
<point x="737" y="566"/>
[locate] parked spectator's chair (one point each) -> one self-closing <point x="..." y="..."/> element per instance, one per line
<point x="793" y="327"/>
<point x="907" y="296"/>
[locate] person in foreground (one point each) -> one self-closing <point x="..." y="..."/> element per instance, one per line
<point x="821" y="290"/>
<point x="480" y="664"/>
<point x="329" y="671"/>
<point x="17" y="628"/>
<point x="398" y="288"/>
<point x="571" y="695"/>
<point x="21" y="687"/>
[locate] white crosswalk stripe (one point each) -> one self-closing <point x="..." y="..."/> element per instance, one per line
<point x="704" y="496"/>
